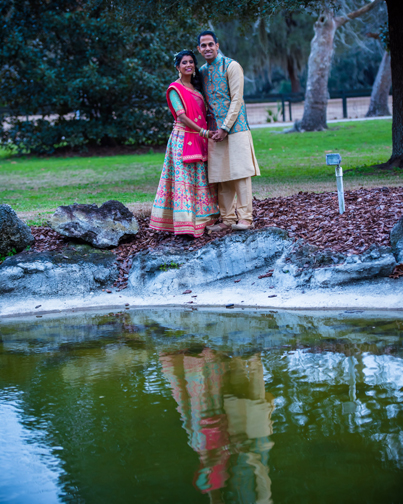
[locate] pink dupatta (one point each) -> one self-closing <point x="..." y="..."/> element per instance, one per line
<point x="194" y="146"/>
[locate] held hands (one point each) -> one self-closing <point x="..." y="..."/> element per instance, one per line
<point x="219" y="135"/>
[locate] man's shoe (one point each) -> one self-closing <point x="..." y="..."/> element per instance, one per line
<point x="242" y="226"/>
<point x="217" y="227"/>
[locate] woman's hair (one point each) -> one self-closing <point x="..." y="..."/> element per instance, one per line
<point x="195" y="80"/>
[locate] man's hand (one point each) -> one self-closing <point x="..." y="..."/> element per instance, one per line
<point x="219" y="135"/>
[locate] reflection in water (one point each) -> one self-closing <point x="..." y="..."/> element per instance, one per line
<point x="29" y="471"/>
<point x="225" y="412"/>
<point x="276" y="407"/>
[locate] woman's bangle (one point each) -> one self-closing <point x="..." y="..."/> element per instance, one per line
<point x="201" y="132"/>
<point x="207" y="133"/>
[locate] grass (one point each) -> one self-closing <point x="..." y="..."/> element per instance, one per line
<point x="290" y="163"/>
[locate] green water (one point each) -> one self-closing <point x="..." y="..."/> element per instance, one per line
<point x="161" y="406"/>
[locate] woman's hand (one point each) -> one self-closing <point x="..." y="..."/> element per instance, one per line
<point x="211" y="133"/>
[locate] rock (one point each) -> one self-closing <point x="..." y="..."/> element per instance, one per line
<point x="308" y="265"/>
<point x="375" y="262"/>
<point x="14" y="234"/>
<point x="304" y="255"/>
<point x="103" y="227"/>
<point x="226" y="257"/>
<point x="396" y="240"/>
<point x="50" y="274"/>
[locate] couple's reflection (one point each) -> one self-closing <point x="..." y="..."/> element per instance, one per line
<point x="227" y="415"/>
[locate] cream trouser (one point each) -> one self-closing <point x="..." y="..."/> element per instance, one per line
<point x="242" y="188"/>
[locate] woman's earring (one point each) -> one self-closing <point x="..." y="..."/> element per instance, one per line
<point x="180" y="75"/>
<point x="194" y="73"/>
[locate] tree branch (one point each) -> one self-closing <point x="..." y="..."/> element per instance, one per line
<point x="342" y="20"/>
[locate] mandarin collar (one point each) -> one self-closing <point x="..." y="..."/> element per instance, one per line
<point x="216" y="60"/>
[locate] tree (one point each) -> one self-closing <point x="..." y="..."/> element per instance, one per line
<point x="284" y="38"/>
<point x="319" y="63"/>
<point x="76" y="73"/>
<point x="395" y="14"/>
<point x="378" y="105"/>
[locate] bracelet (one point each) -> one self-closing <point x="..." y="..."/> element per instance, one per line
<point x="201" y="132"/>
<point x="204" y="133"/>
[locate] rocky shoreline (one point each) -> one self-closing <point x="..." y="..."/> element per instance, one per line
<point x="264" y="267"/>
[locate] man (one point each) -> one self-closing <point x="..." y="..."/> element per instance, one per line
<point x="231" y="156"/>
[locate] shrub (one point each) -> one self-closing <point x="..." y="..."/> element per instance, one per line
<point x="78" y="73"/>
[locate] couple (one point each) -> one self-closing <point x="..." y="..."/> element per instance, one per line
<point x="190" y="188"/>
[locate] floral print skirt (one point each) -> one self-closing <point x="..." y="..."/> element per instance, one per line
<point x="185" y="202"/>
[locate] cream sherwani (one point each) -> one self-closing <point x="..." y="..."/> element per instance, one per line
<point x="232" y="162"/>
<point x="233" y="158"/>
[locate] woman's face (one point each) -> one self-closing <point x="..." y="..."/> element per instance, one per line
<point x="186" y="66"/>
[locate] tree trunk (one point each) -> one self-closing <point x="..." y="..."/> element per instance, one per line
<point x="316" y="95"/>
<point x="395" y="14"/>
<point x="292" y="73"/>
<point x="378" y="105"/>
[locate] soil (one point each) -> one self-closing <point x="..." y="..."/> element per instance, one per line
<point x="369" y="217"/>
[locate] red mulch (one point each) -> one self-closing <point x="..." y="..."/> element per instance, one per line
<point x="46" y="239"/>
<point x="369" y="217"/>
<point x="397" y="272"/>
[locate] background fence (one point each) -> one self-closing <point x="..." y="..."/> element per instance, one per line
<point x="289" y="107"/>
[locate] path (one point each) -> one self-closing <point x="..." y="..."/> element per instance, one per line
<point x="356" y="107"/>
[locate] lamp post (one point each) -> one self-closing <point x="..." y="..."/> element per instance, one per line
<point x="335" y="160"/>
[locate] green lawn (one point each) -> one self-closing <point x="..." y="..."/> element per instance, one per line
<point x="289" y="163"/>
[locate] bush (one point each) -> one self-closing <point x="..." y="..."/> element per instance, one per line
<point x="87" y="74"/>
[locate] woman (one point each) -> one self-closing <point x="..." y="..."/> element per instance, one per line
<point x="185" y="202"/>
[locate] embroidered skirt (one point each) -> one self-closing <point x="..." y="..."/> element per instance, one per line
<point x="185" y="202"/>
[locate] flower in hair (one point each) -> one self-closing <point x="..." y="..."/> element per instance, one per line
<point x="176" y="54"/>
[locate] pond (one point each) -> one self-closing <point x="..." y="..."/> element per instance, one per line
<point x="202" y="406"/>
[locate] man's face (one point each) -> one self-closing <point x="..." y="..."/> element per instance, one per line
<point x="208" y="48"/>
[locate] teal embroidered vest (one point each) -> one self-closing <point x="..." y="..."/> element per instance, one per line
<point x="218" y="97"/>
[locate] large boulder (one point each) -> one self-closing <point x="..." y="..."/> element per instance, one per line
<point x="14" y="234"/>
<point x="103" y="227"/>
<point x="396" y="240"/>
<point x="307" y="265"/>
<point x="73" y="271"/>
<point x="167" y="269"/>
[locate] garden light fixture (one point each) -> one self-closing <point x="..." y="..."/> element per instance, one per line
<point x="335" y="160"/>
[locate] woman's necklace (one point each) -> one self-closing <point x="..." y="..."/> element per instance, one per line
<point x="189" y="87"/>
